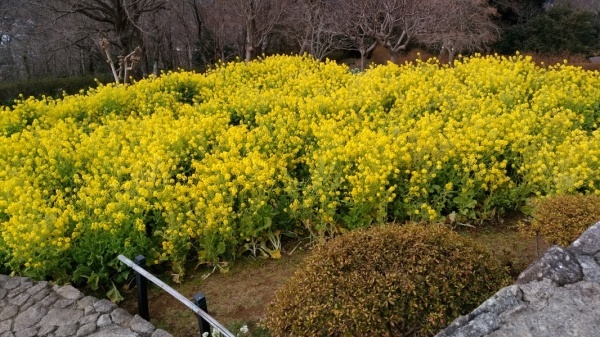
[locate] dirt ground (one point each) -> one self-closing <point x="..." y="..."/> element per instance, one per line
<point x="239" y="296"/>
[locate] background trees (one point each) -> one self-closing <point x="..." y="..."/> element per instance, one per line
<point x="126" y="24"/>
<point x="560" y="29"/>
<point x="315" y="27"/>
<point x="61" y="37"/>
<point x="459" y="26"/>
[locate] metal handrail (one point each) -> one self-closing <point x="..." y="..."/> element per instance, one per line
<point x="177" y="295"/>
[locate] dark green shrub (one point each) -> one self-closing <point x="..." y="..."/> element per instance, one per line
<point x="52" y="87"/>
<point x="562" y="219"/>
<point x="558" y="30"/>
<point x="389" y="280"/>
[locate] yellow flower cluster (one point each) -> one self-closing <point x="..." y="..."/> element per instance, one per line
<point x="206" y="164"/>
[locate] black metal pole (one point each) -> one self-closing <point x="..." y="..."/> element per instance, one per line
<point x="200" y="301"/>
<point x="142" y="289"/>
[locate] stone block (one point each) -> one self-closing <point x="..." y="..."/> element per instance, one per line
<point x="86" y="329"/>
<point x="66" y="331"/>
<point x="140" y="325"/>
<point x="84" y="302"/>
<point x="104" y="306"/>
<point x="590" y="268"/>
<point x="478" y="326"/>
<point x="12" y="282"/>
<point x="89" y="318"/>
<point x="161" y="333"/>
<point x="588" y="243"/>
<point x="19" y="299"/>
<point x="49" y="300"/>
<point x="69" y="292"/>
<point x="9" y="311"/>
<point x="30" y="332"/>
<point x="121" y="316"/>
<point x="63" y="303"/>
<point x="28" y="304"/>
<point x="46" y="330"/>
<point x="30" y="317"/>
<point x="115" y="331"/>
<point x="557" y="264"/>
<point x="40" y="295"/>
<point x="104" y="320"/>
<point x="89" y="310"/>
<point x="37" y="287"/>
<point x="60" y="317"/>
<point x="5" y="326"/>
<point x="505" y="299"/>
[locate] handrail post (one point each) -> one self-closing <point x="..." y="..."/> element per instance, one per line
<point x="200" y="301"/>
<point x="142" y="289"/>
<point x="149" y="277"/>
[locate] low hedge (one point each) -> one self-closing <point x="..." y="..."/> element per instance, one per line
<point x="53" y="87"/>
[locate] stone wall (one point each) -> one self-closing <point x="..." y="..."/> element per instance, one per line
<point x="29" y="309"/>
<point x="558" y="295"/>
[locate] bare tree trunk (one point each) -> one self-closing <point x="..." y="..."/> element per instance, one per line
<point x="363" y="60"/>
<point x="451" y="54"/>
<point x="304" y="44"/>
<point x="250" y="45"/>
<point x="393" y="56"/>
<point x="364" y="53"/>
<point x="190" y="56"/>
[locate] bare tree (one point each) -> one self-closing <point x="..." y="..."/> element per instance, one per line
<point x="358" y="20"/>
<point x="190" y="15"/>
<point x="316" y="26"/>
<point x="226" y="30"/>
<point x="32" y="51"/>
<point x="182" y="38"/>
<point x="7" y="18"/>
<point x="122" y="22"/>
<point x="256" y="20"/>
<point x="460" y="26"/>
<point x="397" y="23"/>
<point x="49" y="37"/>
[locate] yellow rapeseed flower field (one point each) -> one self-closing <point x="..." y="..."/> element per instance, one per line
<point x="208" y="166"/>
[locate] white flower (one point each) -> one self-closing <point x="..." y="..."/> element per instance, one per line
<point x="244" y="329"/>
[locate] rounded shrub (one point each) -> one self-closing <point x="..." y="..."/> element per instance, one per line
<point x="562" y="219"/>
<point x="386" y="280"/>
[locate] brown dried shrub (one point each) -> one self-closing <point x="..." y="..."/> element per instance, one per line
<point x="562" y="219"/>
<point x="391" y="280"/>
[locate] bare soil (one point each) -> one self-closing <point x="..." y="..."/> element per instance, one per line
<point x="239" y="296"/>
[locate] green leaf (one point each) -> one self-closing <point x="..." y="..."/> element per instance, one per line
<point x="452" y="217"/>
<point x="113" y="294"/>
<point x="221" y="248"/>
<point x="122" y="276"/>
<point x="82" y="272"/>
<point x="93" y="281"/>
<point x="267" y="222"/>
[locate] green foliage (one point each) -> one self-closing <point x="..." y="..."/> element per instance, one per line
<point x="562" y="219"/>
<point x="52" y="87"/>
<point x="386" y="280"/>
<point x="558" y="30"/>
